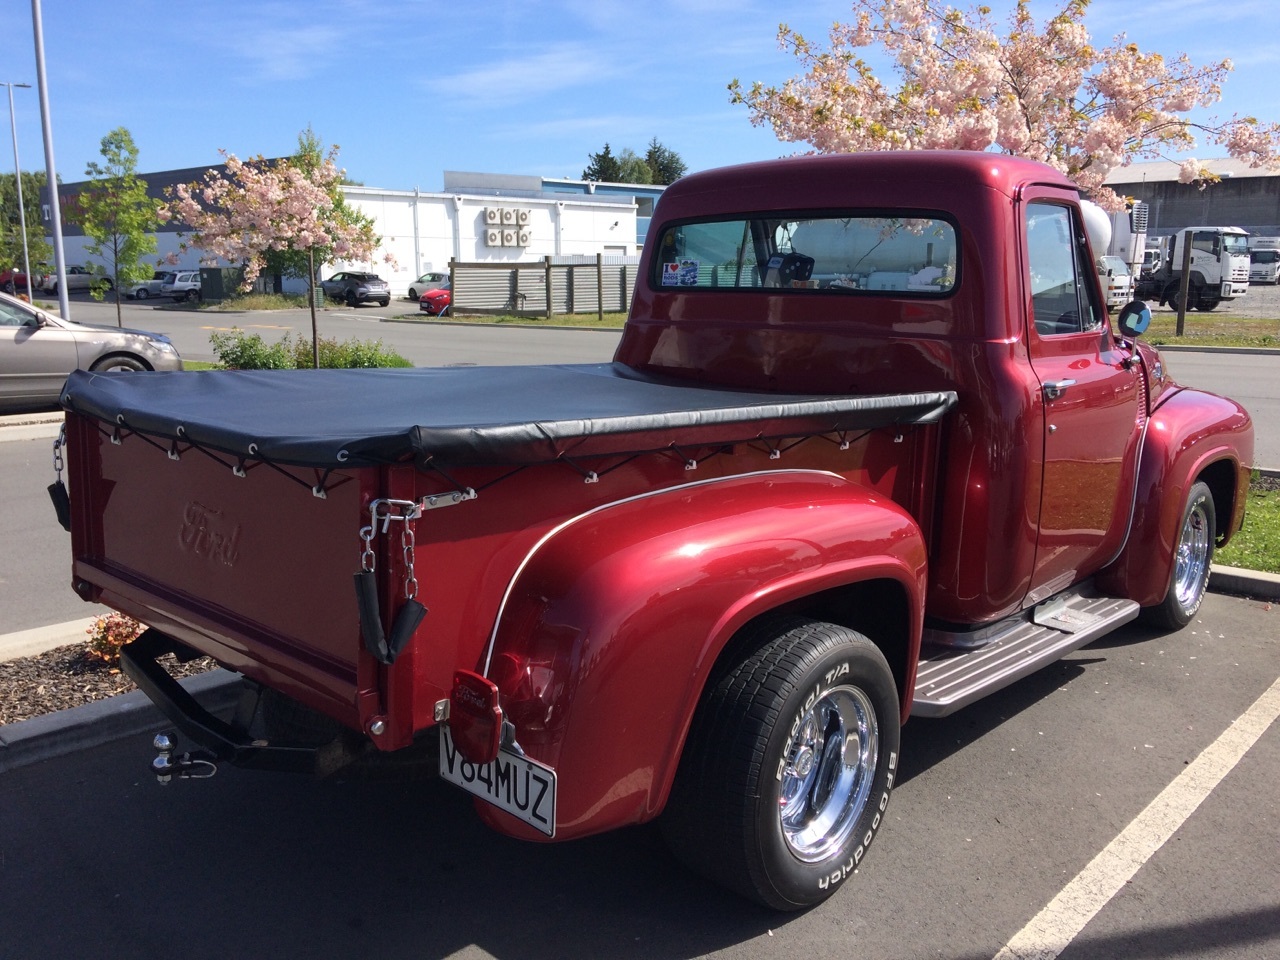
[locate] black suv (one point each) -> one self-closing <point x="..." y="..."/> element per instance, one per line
<point x="355" y="287"/>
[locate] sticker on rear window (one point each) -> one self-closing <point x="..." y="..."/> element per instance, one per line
<point x="681" y="274"/>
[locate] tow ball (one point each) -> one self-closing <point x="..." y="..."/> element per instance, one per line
<point x="188" y="766"/>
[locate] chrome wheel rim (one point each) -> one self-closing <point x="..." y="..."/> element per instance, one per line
<point x="1192" y="564"/>
<point x="828" y="767"/>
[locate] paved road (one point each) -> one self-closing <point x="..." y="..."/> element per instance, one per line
<point x="997" y="809"/>
<point x="1252" y="380"/>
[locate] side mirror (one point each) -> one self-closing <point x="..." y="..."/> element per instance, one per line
<point x="1134" y="318"/>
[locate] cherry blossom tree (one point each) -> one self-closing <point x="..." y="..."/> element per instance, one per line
<point x="1039" y="92"/>
<point x="260" y="208"/>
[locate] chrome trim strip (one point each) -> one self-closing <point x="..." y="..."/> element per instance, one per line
<point x="493" y="635"/>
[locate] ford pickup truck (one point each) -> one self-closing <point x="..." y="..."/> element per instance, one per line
<point x="871" y="446"/>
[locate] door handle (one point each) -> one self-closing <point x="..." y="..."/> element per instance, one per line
<point x="1053" y="389"/>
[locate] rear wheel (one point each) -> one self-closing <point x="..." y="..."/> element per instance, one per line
<point x="192" y="296"/>
<point x="789" y="764"/>
<point x="1192" y="556"/>
<point x="142" y="293"/>
<point x="351" y="299"/>
<point x="383" y="303"/>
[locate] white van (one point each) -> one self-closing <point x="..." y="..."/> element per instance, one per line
<point x="1117" y="281"/>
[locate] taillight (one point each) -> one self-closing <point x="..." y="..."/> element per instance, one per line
<point x="475" y="719"/>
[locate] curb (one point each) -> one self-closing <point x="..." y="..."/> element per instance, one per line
<point x="432" y="321"/>
<point x="38" y="640"/>
<point x="66" y="731"/>
<point x="1191" y="348"/>
<point x="1240" y="582"/>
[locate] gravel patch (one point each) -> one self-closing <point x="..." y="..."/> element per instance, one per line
<point x="68" y="677"/>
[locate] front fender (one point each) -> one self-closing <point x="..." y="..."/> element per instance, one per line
<point x="612" y="626"/>
<point x="1191" y="435"/>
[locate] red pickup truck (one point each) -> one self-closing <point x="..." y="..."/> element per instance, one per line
<point x="871" y="446"/>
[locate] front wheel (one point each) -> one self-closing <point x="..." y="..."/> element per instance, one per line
<point x="789" y="764"/>
<point x="1192" y="556"/>
<point x="142" y="294"/>
<point x="119" y="363"/>
<point x="1207" y="305"/>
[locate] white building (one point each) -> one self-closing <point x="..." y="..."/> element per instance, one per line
<point x="478" y="218"/>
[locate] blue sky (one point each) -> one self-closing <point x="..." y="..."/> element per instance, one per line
<point x="413" y="88"/>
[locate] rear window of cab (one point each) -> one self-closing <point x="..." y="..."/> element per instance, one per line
<point x="913" y="255"/>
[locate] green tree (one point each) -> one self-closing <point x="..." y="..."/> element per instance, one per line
<point x="38" y="250"/>
<point x="118" y="217"/>
<point x="632" y="168"/>
<point x="604" y="167"/>
<point x="665" y="165"/>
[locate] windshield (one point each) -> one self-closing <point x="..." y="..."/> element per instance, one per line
<point x="1265" y="256"/>
<point x="842" y="253"/>
<point x="1236" y="244"/>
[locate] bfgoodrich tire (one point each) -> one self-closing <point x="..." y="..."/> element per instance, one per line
<point x="1192" y="555"/>
<point x="789" y="764"/>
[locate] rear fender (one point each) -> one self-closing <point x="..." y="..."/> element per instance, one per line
<point x="613" y="624"/>
<point x="1191" y="436"/>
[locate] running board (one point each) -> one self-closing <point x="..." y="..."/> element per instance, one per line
<point x="948" y="679"/>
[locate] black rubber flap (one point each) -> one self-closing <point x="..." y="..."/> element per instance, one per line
<point x="467" y="415"/>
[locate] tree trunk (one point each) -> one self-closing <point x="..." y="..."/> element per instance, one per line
<point x="311" y="298"/>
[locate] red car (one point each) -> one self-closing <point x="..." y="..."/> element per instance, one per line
<point x="14" y="280"/>
<point x="436" y="302"/>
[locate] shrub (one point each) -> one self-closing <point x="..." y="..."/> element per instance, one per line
<point x="108" y="634"/>
<point x="237" y="350"/>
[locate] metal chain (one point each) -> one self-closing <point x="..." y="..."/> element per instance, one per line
<point x="407" y="547"/>
<point x="58" y="462"/>
<point x="368" y="561"/>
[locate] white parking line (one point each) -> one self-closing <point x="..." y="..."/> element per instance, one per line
<point x="1053" y="928"/>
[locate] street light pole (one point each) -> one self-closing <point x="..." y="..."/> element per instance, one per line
<point x="17" y="177"/>
<point x="51" y="174"/>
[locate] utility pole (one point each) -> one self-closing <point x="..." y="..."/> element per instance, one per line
<point x="17" y="178"/>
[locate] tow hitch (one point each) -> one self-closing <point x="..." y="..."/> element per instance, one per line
<point x="198" y="766"/>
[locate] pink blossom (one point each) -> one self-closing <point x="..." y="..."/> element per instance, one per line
<point x="1040" y="92"/>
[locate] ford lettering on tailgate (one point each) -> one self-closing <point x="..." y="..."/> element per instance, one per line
<point x="522" y="787"/>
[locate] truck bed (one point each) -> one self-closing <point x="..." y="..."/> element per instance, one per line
<point x="465" y="416"/>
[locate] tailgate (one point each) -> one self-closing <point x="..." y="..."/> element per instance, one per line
<point x="247" y="564"/>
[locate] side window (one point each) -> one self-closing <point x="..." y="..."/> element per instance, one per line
<point x="1062" y="295"/>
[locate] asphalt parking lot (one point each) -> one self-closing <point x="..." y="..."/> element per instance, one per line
<point x="1152" y="753"/>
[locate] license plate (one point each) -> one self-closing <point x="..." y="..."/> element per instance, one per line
<point x="522" y="787"/>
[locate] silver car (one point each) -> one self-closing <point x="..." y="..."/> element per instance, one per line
<point x="38" y="350"/>
<point x="148" y="288"/>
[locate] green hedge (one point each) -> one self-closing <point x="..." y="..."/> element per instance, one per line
<point x="237" y="350"/>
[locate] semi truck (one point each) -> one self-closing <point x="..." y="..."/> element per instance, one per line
<point x="814" y="494"/>
<point x="1219" y="268"/>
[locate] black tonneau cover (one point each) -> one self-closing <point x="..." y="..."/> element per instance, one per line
<point x="460" y="416"/>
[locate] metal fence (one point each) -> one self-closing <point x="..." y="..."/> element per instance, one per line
<point x="544" y="288"/>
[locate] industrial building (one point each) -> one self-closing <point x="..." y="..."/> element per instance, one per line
<point x="1244" y="196"/>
